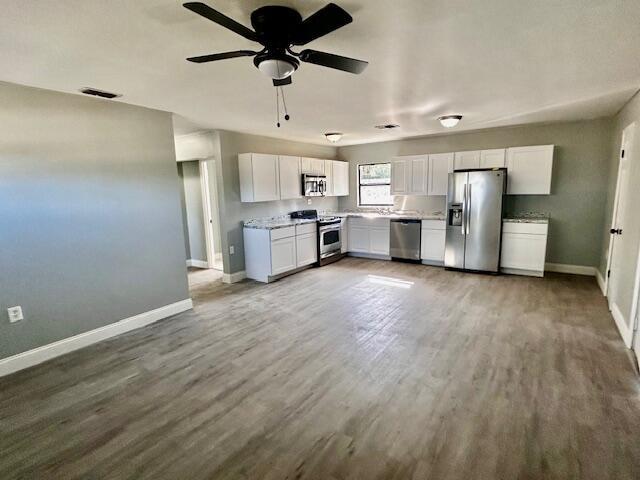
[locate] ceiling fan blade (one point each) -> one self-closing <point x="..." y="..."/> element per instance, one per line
<point x="221" y="56"/>
<point x="207" y="12"/>
<point x="284" y="81"/>
<point x="329" y="18"/>
<point x="330" y="60"/>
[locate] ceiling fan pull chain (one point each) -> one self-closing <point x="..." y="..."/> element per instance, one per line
<point x="277" y="108"/>
<point x="284" y="104"/>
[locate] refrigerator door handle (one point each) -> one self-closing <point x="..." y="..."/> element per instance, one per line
<point x="464" y="210"/>
<point x="468" y="209"/>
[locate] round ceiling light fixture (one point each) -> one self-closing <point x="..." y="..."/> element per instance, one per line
<point x="449" y="121"/>
<point x="276" y="66"/>
<point x="333" y="137"/>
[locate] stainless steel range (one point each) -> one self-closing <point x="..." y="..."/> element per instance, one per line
<point x="329" y="235"/>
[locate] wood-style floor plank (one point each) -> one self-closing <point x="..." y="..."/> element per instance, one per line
<point x="358" y="370"/>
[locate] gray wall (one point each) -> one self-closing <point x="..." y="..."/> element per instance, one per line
<point x="629" y="114"/>
<point x="90" y="229"/>
<point x="579" y="189"/>
<point x="193" y="210"/>
<point x="230" y="144"/>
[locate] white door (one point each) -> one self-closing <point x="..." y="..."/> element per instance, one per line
<point x="266" y="181"/>
<point x="290" y="179"/>
<point x="529" y="170"/>
<point x="440" y="164"/>
<point x="340" y="178"/>
<point x="418" y="175"/>
<point x="306" y="249"/>
<point x="283" y="255"/>
<point x="466" y="160"/>
<point x="432" y="245"/>
<point x="495" y="158"/>
<point x="379" y="238"/>
<point x="399" y="174"/>
<point x="523" y="251"/>
<point x="623" y="246"/>
<point x="358" y="239"/>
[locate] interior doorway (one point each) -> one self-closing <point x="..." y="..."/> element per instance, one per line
<point x="211" y="213"/>
<point x="621" y="282"/>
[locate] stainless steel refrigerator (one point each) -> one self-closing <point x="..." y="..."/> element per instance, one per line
<point x="474" y="219"/>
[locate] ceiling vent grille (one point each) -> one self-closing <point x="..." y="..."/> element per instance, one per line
<point x="387" y="126"/>
<point x="99" y="93"/>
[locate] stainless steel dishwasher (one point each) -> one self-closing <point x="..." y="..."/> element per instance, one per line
<point x="405" y="239"/>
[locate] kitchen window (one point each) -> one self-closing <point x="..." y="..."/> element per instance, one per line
<point x="374" y="185"/>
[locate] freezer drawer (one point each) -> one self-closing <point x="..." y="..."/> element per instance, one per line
<point x="404" y="239"/>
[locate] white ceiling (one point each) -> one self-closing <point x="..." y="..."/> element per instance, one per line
<point x="497" y="62"/>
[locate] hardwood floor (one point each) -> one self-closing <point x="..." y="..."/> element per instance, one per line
<point x="358" y="370"/>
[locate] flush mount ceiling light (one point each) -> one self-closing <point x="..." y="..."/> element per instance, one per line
<point x="450" y="121"/>
<point x="333" y="137"/>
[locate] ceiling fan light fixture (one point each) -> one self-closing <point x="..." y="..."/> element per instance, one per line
<point x="276" y="68"/>
<point x="333" y="137"/>
<point x="449" y="121"/>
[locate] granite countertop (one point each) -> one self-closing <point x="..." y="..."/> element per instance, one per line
<point x="391" y="215"/>
<point x="276" y="222"/>
<point x="527" y="217"/>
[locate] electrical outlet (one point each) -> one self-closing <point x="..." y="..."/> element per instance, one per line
<point x="308" y="201"/>
<point x="232" y="250"/>
<point x="15" y="314"/>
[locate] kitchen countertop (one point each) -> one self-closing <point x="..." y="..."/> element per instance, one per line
<point x="276" y="222"/>
<point x="542" y="220"/>
<point x="393" y="215"/>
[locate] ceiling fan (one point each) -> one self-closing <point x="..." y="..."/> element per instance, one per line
<point x="278" y="29"/>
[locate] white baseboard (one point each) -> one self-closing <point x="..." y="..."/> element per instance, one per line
<point x="197" y="263"/>
<point x="574" y="269"/>
<point x="601" y="282"/>
<point x="46" y="352"/>
<point x="234" y="277"/>
<point x="625" y="332"/>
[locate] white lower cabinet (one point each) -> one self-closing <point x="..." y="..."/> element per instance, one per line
<point x="369" y="236"/>
<point x="283" y="255"/>
<point x="524" y="248"/>
<point x="432" y="241"/>
<point x="306" y="249"/>
<point x="344" y="235"/>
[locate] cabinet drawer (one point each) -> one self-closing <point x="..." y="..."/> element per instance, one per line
<point x="306" y="228"/>
<point x="530" y="228"/>
<point x="434" y="224"/>
<point x="370" y="222"/>
<point x="284" y="232"/>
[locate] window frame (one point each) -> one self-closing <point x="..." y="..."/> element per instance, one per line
<point x="360" y="204"/>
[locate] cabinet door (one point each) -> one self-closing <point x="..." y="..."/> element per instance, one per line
<point x="465" y="160"/>
<point x="283" y="255"/>
<point x="379" y="241"/>
<point x="418" y="175"/>
<point x="493" y="158"/>
<point x="344" y="235"/>
<point x="340" y="178"/>
<point x="399" y="174"/>
<point x="358" y="239"/>
<point x="290" y="179"/>
<point x="432" y="245"/>
<point x="440" y="164"/>
<point x="317" y="166"/>
<point x="523" y="251"/>
<point x="529" y="170"/>
<point x="266" y="181"/>
<point x="328" y="171"/>
<point x="306" y="249"/>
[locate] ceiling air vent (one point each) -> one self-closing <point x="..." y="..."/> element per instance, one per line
<point x="99" y="93"/>
<point x="387" y="126"/>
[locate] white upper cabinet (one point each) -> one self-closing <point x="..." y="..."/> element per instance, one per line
<point x="312" y="165"/>
<point x="440" y="164"/>
<point x="259" y="177"/>
<point x="493" y="158"/>
<point x="409" y="175"/>
<point x="466" y="160"/>
<point x="290" y="179"/>
<point x="328" y="172"/>
<point x="529" y="170"/>
<point x="340" y="177"/>
<point x="399" y="176"/>
<point x="418" y="175"/>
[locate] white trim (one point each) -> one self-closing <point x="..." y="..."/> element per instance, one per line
<point x="601" y="282"/>
<point x="625" y="332"/>
<point x="234" y="277"/>
<point x="574" y="269"/>
<point x="197" y="263"/>
<point x="46" y="352"/>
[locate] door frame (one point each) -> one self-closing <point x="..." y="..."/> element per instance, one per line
<point x="628" y="130"/>
<point x="208" y="210"/>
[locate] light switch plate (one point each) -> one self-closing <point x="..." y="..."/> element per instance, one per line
<point x="15" y="314"/>
<point x="232" y="250"/>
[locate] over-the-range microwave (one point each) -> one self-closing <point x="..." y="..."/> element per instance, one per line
<point x="314" y="185"/>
